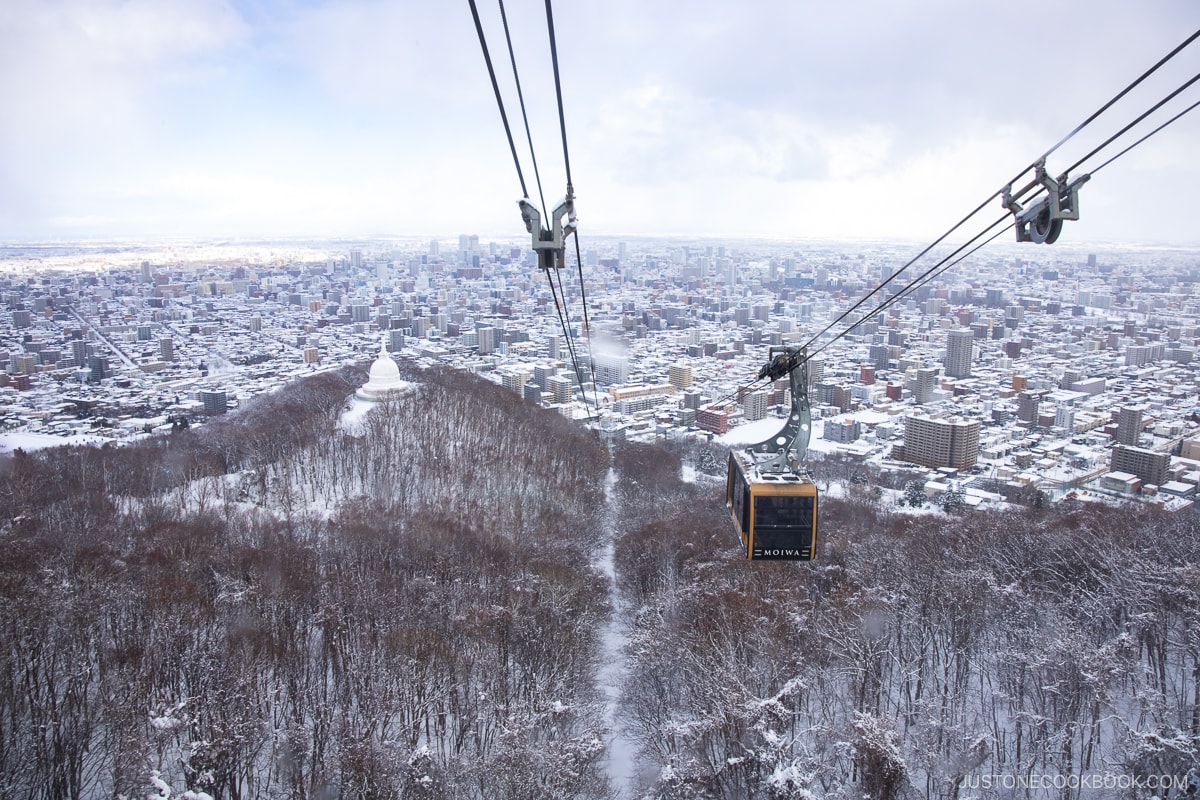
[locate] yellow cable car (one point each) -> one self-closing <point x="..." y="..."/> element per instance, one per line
<point x="775" y="513"/>
<point x="770" y="496"/>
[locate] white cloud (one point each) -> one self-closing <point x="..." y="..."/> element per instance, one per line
<point x="72" y="63"/>
<point x="863" y="118"/>
<point x="78" y="85"/>
<point x="377" y="54"/>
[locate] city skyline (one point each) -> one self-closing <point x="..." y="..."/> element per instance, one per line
<point x="359" y="119"/>
<point x="1058" y="359"/>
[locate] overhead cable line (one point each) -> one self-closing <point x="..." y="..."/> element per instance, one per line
<point x="521" y="99"/>
<point x="499" y="100"/>
<point x="945" y="264"/>
<point x="895" y="275"/>
<point x="557" y="293"/>
<point x="950" y="260"/>
<point x="587" y="325"/>
<point x="562" y="125"/>
<point x="562" y="318"/>
<point x="956" y="261"/>
<point x="1092" y="117"/>
<point x="1139" y="118"/>
<point x="562" y="122"/>
<point x="938" y="268"/>
<point x="1117" y="97"/>
<point x="1095" y="114"/>
<point x="1192" y="107"/>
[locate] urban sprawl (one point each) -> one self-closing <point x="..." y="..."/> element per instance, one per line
<point x="1057" y="371"/>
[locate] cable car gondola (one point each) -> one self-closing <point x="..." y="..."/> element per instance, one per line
<point x="769" y="493"/>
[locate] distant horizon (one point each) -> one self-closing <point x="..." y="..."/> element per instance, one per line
<point x="1065" y="243"/>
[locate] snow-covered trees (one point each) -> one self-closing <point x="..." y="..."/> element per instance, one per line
<point x="914" y="494"/>
<point x="409" y="610"/>
<point x="916" y="652"/>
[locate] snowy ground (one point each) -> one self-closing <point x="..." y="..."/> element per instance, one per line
<point x="754" y="432"/>
<point x="625" y="768"/>
<point x="763" y="429"/>
<point x="353" y="419"/>
<point x="39" y="441"/>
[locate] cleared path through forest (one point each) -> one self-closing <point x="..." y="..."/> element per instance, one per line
<point x="623" y="764"/>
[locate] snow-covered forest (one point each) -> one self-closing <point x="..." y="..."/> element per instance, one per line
<point x="275" y="605"/>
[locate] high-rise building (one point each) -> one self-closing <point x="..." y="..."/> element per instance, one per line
<point x="1129" y="426"/>
<point x="680" y="375"/>
<point x="166" y="348"/>
<point x="487" y="339"/>
<point x="880" y="356"/>
<point x="99" y="367"/>
<point x="542" y="373"/>
<point x="215" y="402"/>
<point x="560" y="387"/>
<point x="816" y="371"/>
<point x="824" y="393"/>
<point x="26" y="363"/>
<point x="754" y="405"/>
<point x="1027" y="406"/>
<point x="1137" y="355"/>
<point x="938" y="442"/>
<point x="712" y="420"/>
<point x="960" y="344"/>
<point x="843" y="430"/>
<point x="1149" y="465"/>
<point x="611" y="370"/>
<point x="514" y="381"/>
<point x="924" y="384"/>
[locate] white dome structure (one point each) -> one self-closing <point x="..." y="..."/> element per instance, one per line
<point x="385" y="380"/>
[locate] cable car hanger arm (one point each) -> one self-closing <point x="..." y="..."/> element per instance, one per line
<point x="785" y="451"/>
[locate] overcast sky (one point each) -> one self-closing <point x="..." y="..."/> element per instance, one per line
<point x="859" y="118"/>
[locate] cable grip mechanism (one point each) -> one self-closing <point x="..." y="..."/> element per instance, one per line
<point x="1042" y="221"/>
<point x="550" y="243"/>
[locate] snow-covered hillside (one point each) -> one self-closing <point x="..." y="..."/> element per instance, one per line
<point x="458" y="594"/>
